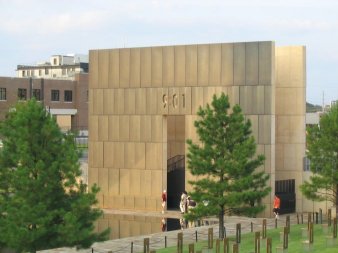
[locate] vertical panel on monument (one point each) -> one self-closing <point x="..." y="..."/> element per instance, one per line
<point x="176" y="159"/>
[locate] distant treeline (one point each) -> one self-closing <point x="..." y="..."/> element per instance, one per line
<point x="313" y="108"/>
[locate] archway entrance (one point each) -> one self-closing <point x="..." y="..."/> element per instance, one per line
<point x="285" y="190"/>
<point x="176" y="160"/>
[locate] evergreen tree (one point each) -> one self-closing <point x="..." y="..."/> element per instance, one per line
<point x="322" y="150"/>
<point x="43" y="204"/>
<point x="224" y="164"/>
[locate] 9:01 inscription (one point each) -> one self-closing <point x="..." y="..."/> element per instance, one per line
<point x="173" y="100"/>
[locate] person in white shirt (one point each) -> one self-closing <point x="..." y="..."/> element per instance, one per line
<point x="183" y="202"/>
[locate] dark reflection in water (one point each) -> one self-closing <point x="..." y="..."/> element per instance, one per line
<point x="173" y="224"/>
<point x="122" y="225"/>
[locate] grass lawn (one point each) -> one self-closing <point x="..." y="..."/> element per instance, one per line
<point x="295" y="241"/>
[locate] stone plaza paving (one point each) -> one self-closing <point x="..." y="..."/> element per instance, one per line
<point x="158" y="240"/>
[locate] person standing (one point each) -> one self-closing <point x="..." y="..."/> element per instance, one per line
<point x="190" y="203"/>
<point x="276" y="206"/>
<point x="164" y="200"/>
<point x="183" y="202"/>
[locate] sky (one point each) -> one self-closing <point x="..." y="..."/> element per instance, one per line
<point x="33" y="30"/>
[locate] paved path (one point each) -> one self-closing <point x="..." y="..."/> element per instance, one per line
<point x="158" y="240"/>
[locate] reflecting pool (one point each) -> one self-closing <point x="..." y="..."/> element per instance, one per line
<point x="126" y="225"/>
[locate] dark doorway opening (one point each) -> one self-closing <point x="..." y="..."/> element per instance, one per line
<point x="176" y="160"/>
<point x="176" y="180"/>
<point x="285" y="190"/>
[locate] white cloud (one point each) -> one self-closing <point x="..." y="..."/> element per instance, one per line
<point x="300" y="24"/>
<point x="54" y="24"/>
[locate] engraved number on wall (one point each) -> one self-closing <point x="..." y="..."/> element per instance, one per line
<point x="165" y="100"/>
<point x="173" y="100"/>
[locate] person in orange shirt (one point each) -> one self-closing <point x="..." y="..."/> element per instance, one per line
<point x="276" y="206"/>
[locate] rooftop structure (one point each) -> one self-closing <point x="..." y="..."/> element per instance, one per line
<point x="58" y="67"/>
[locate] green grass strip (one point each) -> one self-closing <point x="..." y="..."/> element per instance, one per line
<point x="320" y="245"/>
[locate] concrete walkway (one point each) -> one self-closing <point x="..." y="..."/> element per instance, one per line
<point x="169" y="238"/>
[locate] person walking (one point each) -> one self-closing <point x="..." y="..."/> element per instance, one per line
<point x="164" y="200"/>
<point x="276" y="206"/>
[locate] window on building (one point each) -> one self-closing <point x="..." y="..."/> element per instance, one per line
<point x="55" y="95"/>
<point x="68" y="96"/>
<point x="55" y="61"/>
<point x="2" y="93"/>
<point x="46" y="71"/>
<point x="40" y="72"/>
<point x="64" y="72"/>
<point x="22" y="94"/>
<point x="37" y="94"/>
<point x="23" y="73"/>
<point x="306" y="164"/>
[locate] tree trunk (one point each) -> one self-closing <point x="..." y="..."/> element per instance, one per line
<point x="221" y="224"/>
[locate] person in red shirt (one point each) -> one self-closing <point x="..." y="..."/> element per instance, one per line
<point x="164" y="200"/>
<point x="276" y="206"/>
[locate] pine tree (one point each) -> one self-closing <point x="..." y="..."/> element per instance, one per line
<point x="43" y="204"/>
<point x="322" y="150"/>
<point x="224" y="164"/>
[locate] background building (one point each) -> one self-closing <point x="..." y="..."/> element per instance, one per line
<point x="67" y="100"/>
<point x="143" y="104"/>
<point x="58" y="66"/>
